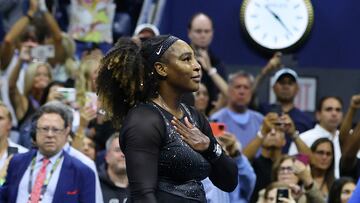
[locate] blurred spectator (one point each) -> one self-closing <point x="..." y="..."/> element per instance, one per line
<point x="322" y="164"/>
<point x="329" y="116"/>
<point x="74" y="152"/>
<point x="285" y="89"/>
<point x="91" y="22"/>
<point x="200" y="33"/>
<point x="271" y="192"/>
<point x="297" y="176"/>
<point x="37" y="77"/>
<point x="240" y="120"/>
<point x="66" y="173"/>
<point x="246" y="175"/>
<point x="7" y="147"/>
<point x="271" y="139"/>
<point x="88" y="148"/>
<point x="201" y="99"/>
<point x="341" y="190"/>
<point x="113" y="178"/>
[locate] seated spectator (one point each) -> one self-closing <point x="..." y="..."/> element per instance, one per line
<point x="113" y="178"/>
<point x="246" y="175"/>
<point x="329" y="116"/>
<point x="341" y="190"/>
<point x="7" y="147"/>
<point x="239" y="120"/>
<point x="322" y="164"/>
<point x="65" y="173"/>
<point x="271" y="139"/>
<point x="74" y="152"/>
<point x="297" y="177"/>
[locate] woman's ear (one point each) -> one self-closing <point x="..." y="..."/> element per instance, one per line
<point x="161" y="69"/>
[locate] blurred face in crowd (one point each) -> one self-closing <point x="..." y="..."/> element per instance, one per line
<point x="201" y="32"/>
<point x="346" y="192"/>
<point x="51" y="134"/>
<point x="274" y="139"/>
<point x="285" y="89"/>
<point x="115" y="158"/>
<point x="89" y="148"/>
<point x="42" y="77"/>
<point x="323" y="156"/>
<point x="240" y="92"/>
<point x="5" y="122"/>
<point x="286" y="173"/>
<point x="94" y="72"/>
<point x="201" y="98"/>
<point x="271" y="196"/>
<point x="330" y="114"/>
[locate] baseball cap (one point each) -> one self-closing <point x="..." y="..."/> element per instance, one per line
<point x="286" y="71"/>
<point x="146" y="26"/>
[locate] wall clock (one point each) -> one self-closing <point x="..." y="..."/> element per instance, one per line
<point x="277" y="25"/>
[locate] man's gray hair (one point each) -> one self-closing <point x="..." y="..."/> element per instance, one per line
<point x="55" y="107"/>
<point x="110" y="140"/>
<point x="241" y="73"/>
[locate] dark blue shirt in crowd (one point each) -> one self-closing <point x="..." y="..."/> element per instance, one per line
<point x="302" y="121"/>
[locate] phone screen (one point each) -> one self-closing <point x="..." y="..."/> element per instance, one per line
<point x="217" y="129"/>
<point x="282" y="192"/>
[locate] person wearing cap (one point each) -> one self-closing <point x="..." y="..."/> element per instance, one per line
<point x="146" y="31"/>
<point x="286" y="89"/>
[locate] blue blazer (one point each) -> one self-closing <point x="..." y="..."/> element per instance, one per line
<point x="76" y="181"/>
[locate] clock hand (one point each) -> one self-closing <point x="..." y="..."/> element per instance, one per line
<point x="278" y="19"/>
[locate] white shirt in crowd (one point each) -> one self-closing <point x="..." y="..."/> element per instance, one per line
<point x="310" y="136"/>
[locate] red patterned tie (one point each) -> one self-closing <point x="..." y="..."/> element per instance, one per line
<point x="39" y="182"/>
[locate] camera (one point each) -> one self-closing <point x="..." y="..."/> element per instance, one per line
<point x="42" y="52"/>
<point x="69" y="94"/>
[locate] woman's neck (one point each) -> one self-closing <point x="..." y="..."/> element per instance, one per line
<point x="169" y="100"/>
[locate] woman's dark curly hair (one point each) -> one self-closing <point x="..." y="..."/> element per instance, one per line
<point x="126" y="77"/>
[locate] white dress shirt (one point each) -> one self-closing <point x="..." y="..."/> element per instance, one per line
<point x="310" y="136"/>
<point x="23" y="193"/>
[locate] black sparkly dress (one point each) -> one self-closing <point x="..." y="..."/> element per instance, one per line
<point x="161" y="167"/>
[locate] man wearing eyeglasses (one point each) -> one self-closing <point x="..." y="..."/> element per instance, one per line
<point x="48" y="173"/>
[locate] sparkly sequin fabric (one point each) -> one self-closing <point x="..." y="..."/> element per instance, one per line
<point x="180" y="167"/>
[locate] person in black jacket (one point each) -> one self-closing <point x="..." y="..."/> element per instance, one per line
<point x="113" y="178"/>
<point x="168" y="146"/>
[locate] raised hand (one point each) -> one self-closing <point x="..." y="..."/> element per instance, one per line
<point x="355" y="101"/>
<point x="191" y="135"/>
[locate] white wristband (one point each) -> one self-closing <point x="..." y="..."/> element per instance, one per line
<point x="42" y="6"/>
<point x="212" y="71"/>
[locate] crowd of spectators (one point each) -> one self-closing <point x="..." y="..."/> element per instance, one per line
<point x="50" y="117"/>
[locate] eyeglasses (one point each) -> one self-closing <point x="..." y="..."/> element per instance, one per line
<point x="286" y="169"/>
<point x="199" y="31"/>
<point x="46" y="130"/>
<point x="322" y="153"/>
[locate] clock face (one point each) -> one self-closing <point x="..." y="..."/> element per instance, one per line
<point x="277" y="24"/>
